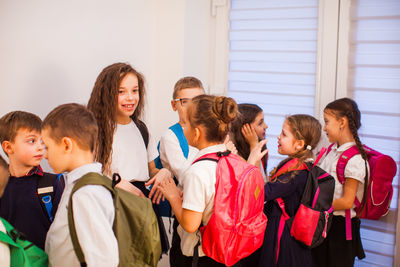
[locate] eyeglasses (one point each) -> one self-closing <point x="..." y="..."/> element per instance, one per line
<point x="184" y="101"/>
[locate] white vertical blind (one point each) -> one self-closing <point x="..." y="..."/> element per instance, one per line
<point x="272" y="61"/>
<point x="374" y="73"/>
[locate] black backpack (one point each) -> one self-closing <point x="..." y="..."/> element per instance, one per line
<point x="313" y="219"/>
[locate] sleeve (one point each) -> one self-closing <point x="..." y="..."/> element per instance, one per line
<point x="4" y="249"/>
<point x="94" y="216"/>
<point x="355" y="168"/>
<point x="282" y="187"/>
<point x="171" y="155"/>
<point x="194" y="193"/>
<point x="152" y="152"/>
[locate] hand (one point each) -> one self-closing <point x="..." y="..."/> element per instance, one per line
<point x="170" y="190"/>
<point x="256" y="154"/>
<point x="250" y="135"/>
<point x="230" y="145"/>
<point x="127" y="186"/>
<point x="155" y="193"/>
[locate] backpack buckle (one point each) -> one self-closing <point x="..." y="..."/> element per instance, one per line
<point x="223" y="154"/>
<point x="116" y="178"/>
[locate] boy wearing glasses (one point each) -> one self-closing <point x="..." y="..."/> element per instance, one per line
<point x="175" y="153"/>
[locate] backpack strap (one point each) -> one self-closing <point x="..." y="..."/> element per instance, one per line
<point x="90" y="178"/>
<point x="291" y="165"/>
<point x="143" y="130"/>
<point x="45" y="192"/>
<point x="282" y="220"/>
<point x="183" y="143"/>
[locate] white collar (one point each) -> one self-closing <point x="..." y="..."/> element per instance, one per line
<point x="211" y="149"/>
<point x="343" y="147"/>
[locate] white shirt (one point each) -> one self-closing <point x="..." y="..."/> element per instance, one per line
<point x="94" y="213"/>
<point x="172" y="157"/>
<point x="198" y="195"/>
<point x="129" y="156"/>
<point x="4" y="249"/>
<point x="355" y="169"/>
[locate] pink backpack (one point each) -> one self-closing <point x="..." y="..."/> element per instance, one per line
<point x="236" y="227"/>
<point x="380" y="190"/>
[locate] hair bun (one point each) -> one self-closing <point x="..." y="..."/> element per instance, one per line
<point x="225" y="108"/>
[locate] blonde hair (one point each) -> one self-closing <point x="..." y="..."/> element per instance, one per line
<point x="186" y="82"/>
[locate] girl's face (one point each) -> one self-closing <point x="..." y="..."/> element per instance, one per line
<point x="128" y="98"/>
<point x="332" y="126"/>
<point x="287" y="143"/>
<point x="259" y="125"/>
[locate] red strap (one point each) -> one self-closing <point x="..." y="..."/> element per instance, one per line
<point x="282" y="220"/>
<point x="342" y="162"/>
<point x="291" y="165"/>
<point x="348" y="225"/>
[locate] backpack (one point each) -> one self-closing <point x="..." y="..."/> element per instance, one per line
<point x="313" y="218"/>
<point x="135" y="224"/>
<point x="45" y="192"/>
<point x="23" y="253"/>
<point x="236" y="227"/>
<point x="380" y="190"/>
<point x="164" y="207"/>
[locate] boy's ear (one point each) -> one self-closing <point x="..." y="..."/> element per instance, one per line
<point x="7" y="147"/>
<point x="67" y="144"/>
<point x="173" y="105"/>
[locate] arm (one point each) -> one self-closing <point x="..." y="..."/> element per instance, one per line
<point x="283" y="187"/>
<point x="349" y="194"/>
<point x="256" y="154"/>
<point x="188" y="219"/>
<point x="156" y="180"/>
<point x="250" y="135"/>
<point x="94" y="217"/>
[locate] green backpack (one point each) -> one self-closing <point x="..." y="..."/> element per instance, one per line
<point x="23" y="253"/>
<point x="135" y="224"/>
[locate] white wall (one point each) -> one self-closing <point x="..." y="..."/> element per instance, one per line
<point x="52" y="51"/>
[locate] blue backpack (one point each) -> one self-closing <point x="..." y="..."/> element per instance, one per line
<point x="164" y="206"/>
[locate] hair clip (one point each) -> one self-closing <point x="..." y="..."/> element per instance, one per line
<point x="308" y="147"/>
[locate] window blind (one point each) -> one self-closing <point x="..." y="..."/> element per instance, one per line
<point x="272" y="61"/>
<point x="374" y="73"/>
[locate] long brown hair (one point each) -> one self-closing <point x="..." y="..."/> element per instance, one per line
<point x="303" y="127"/>
<point x="214" y="113"/>
<point x="346" y="107"/>
<point x="103" y="104"/>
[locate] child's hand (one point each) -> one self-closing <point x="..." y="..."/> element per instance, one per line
<point x="127" y="186"/>
<point x="230" y="145"/>
<point x="250" y="135"/>
<point x="170" y="190"/>
<point x="256" y="154"/>
<point x="155" y="193"/>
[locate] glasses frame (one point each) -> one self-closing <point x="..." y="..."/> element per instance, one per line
<point x="181" y="100"/>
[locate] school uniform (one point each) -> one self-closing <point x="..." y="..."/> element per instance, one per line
<point x="172" y="157"/>
<point x="94" y="213"/>
<point x="21" y="206"/>
<point x="336" y="250"/>
<point x="198" y="195"/>
<point x="4" y="249"/>
<point x="130" y="157"/>
<point x="291" y="252"/>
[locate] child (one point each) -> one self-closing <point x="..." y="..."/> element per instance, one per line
<point x="172" y="155"/>
<point x="300" y="134"/>
<point x="124" y="144"/>
<point x="342" y="120"/>
<point x="24" y="203"/>
<point x="247" y="130"/>
<point x="69" y="134"/>
<point x="206" y="126"/>
<point x="175" y="152"/>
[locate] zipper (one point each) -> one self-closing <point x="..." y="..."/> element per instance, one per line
<point x="326" y="223"/>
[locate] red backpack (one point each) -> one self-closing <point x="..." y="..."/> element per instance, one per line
<point x="380" y="190"/>
<point x="236" y="227"/>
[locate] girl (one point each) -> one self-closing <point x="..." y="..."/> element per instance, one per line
<point x="300" y="134"/>
<point x="124" y="145"/>
<point x="342" y="120"/>
<point x="247" y="130"/>
<point x="206" y="126"/>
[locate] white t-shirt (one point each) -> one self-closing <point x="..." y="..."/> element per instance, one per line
<point x="198" y="195"/>
<point x="129" y="156"/>
<point x="355" y="169"/>
<point x="172" y="157"/>
<point x="4" y="249"/>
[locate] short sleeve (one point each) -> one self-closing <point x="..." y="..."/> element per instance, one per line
<point x="194" y="192"/>
<point x="152" y="152"/>
<point x="355" y="168"/>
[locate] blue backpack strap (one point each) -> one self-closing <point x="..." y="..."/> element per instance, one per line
<point x="178" y="131"/>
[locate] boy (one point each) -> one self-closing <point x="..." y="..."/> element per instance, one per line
<point x="175" y="153"/>
<point x="31" y="196"/>
<point x="69" y="134"/>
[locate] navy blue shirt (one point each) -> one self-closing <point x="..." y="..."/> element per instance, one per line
<point x="21" y="207"/>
